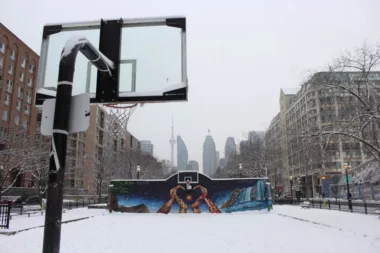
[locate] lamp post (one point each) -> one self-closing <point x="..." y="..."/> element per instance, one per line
<point x="321" y="187"/>
<point x="291" y="186"/>
<point x="110" y="189"/>
<point x="266" y="170"/>
<point x="346" y="167"/>
<point x="1" y="171"/>
<point x="241" y="169"/>
<point x="138" y="171"/>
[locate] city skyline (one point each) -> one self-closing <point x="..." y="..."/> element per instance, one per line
<point x="280" y="58"/>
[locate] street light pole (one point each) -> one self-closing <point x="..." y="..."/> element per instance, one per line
<point x="348" y="187"/>
<point x="138" y="172"/>
<point x="266" y="170"/>
<point x="291" y="187"/>
<point x="241" y="169"/>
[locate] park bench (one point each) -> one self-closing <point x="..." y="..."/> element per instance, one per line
<point x="32" y="209"/>
<point x="305" y="204"/>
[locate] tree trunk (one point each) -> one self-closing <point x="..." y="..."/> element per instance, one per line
<point x="39" y="192"/>
<point x="100" y="190"/>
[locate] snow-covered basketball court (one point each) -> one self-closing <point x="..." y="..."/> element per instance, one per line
<point x="286" y="229"/>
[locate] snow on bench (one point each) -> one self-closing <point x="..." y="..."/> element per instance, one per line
<point x="305" y="204"/>
<point x="377" y="211"/>
<point x="32" y="209"/>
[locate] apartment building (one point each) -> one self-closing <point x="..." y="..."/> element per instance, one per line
<point x="147" y="147"/>
<point x="18" y="78"/>
<point x="193" y="165"/>
<point x="300" y="163"/>
<point x="86" y="150"/>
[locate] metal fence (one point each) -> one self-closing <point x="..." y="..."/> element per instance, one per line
<point x="72" y="204"/>
<point x="5" y="211"/>
<point x="365" y="207"/>
<point x="80" y="203"/>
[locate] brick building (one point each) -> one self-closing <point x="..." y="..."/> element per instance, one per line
<point x="87" y="149"/>
<point x="18" y="78"/>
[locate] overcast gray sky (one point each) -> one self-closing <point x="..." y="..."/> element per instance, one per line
<point x="240" y="53"/>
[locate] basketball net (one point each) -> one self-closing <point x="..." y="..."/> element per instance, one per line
<point x="117" y="118"/>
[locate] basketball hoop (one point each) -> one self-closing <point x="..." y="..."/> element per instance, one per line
<point x="118" y="116"/>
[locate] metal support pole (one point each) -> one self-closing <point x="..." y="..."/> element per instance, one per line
<point x="291" y="189"/>
<point x="52" y="231"/>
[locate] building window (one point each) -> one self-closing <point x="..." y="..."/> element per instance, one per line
<point x="122" y="144"/>
<point x="23" y="63"/>
<point x="22" y="77"/>
<point x="39" y="116"/>
<point x="2" y="47"/>
<point x="114" y="145"/>
<point x="25" y="123"/>
<point x="31" y="68"/>
<point x="13" y="55"/>
<point x="30" y="82"/>
<point x="17" y="120"/>
<point x="28" y="97"/>
<point x="9" y="86"/>
<point x="5" y="115"/>
<point x="27" y="109"/>
<point x="1" y="63"/>
<point x="7" y="99"/>
<point x="18" y="106"/>
<point x="20" y="92"/>
<point x="3" y="132"/>
<point x="10" y="70"/>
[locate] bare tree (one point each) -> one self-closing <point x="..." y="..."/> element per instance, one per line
<point x="354" y="85"/>
<point x="150" y="167"/>
<point x="14" y="152"/>
<point x="102" y="167"/>
<point x="251" y="156"/>
<point x="38" y="167"/>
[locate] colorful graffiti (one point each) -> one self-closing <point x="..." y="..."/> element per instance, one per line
<point x="205" y="195"/>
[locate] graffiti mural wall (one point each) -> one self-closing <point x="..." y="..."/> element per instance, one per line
<point x="200" y="195"/>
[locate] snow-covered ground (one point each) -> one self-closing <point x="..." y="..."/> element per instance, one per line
<point x="359" y="224"/>
<point x="245" y="232"/>
<point x="20" y="222"/>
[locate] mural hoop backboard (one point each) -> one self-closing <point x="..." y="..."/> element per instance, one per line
<point x="184" y="175"/>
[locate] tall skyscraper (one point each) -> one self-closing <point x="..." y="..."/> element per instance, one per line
<point x="217" y="159"/>
<point x="209" y="156"/>
<point x="166" y="165"/>
<point x="193" y="165"/>
<point x="222" y="163"/>
<point x="182" y="155"/>
<point x="172" y="143"/>
<point x="147" y="147"/>
<point x="229" y="148"/>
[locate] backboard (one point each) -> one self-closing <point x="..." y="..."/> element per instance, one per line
<point x="192" y="176"/>
<point x="149" y="55"/>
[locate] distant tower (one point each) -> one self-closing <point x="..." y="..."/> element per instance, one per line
<point x="209" y="156"/>
<point x="172" y="143"/>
